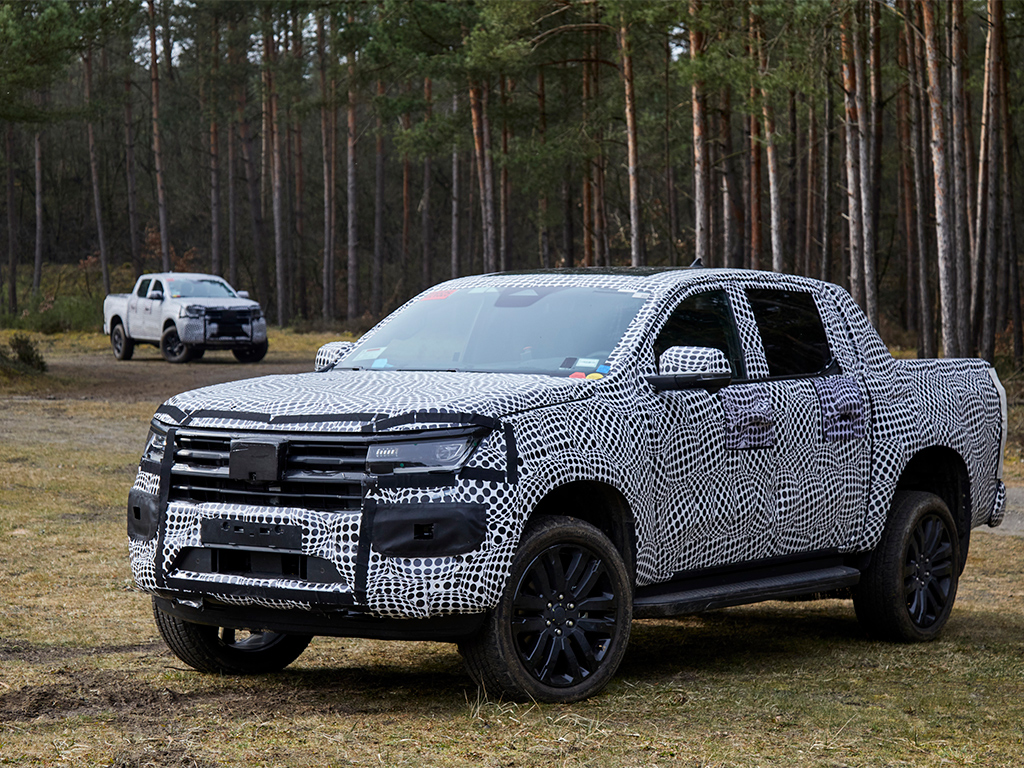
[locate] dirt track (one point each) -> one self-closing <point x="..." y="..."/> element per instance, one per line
<point x="96" y="375"/>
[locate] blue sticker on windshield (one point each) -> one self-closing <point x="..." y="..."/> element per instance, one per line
<point x="380" y="362"/>
<point x="603" y="368"/>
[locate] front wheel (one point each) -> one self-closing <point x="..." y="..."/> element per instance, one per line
<point x="561" y="627"/>
<point x="226" y="651"/>
<point x="251" y="354"/>
<point x="122" y="346"/>
<point x="907" y="592"/>
<point x="173" y="348"/>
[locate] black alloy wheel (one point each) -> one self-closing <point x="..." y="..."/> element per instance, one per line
<point x="173" y="348"/>
<point x="560" y="630"/>
<point x="907" y="592"/>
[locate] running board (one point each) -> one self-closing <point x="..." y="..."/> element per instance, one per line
<point x="705" y="598"/>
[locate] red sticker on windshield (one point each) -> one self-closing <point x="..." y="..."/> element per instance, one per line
<point x="436" y="295"/>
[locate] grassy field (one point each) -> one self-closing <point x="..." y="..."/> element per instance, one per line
<point x="85" y="679"/>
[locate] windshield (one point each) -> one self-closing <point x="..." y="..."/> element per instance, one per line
<point x="182" y="288"/>
<point x="561" y="331"/>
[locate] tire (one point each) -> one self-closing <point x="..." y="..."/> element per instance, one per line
<point x="562" y="624"/>
<point x="907" y="592"/>
<point x="122" y="346"/>
<point x="173" y="348"/>
<point x="225" y="651"/>
<point x="251" y="354"/>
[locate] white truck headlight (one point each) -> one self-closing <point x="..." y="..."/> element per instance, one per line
<point x="192" y="310"/>
<point x="446" y="454"/>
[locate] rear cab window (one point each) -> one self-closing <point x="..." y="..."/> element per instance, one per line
<point x="792" y="333"/>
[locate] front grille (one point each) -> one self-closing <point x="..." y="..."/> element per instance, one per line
<point x="229" y="323"/>
<point x="322" y="473"/>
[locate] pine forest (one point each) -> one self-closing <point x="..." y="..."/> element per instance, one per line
<point x="335" y="158"/>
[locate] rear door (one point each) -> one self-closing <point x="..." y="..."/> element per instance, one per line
<point x="817" y="467"/>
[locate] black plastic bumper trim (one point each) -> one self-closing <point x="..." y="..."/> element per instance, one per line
<point x="336" y="623"/>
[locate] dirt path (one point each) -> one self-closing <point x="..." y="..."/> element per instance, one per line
<point x="96" y="375"/>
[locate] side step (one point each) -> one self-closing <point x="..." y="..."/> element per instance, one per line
<point x="704" y="598"/>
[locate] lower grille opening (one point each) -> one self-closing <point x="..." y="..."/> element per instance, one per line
<point x="258" y="564"/>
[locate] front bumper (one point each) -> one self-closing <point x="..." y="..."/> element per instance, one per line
<point x="435" y="546"/>
<point x="226" y="331"/>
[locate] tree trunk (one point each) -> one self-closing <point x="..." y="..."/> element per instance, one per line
<point x="377" y="269"/>
<point x="482" y="142"/>
<point x="426" y="223"/>
<point x="960" y="185"/>
<point x="504" y="213"/>
<point x="327" y="272"/>
<point x="129" y="169"/>
<point x="215" y="260"/>
<point x="542" y="121"/>
<point x="853" y="195"/>
<point x="632" y="150"/>
<point x="12" y="227"/>
<point x="277" y="174"/>
<point x="158" y="163"/>
<point x="989" y="266"/>
<point x="978" y="243"/>
<point x="947" y="266"/>
<point x="94" y="171"/>
<point x="670" y="181"/>
<point x="37" y="272"/>
<point x="733" y="210"/>
<point x="771" y="153"/>
<point x="825" y="265"/>
<point x="701" y="161"/>
<point x="906" y="186"/>
<point x="866" y="120"/>
<point x="232" y="207"/>
<point x="352" y="197"/>
<point x="457" y="196"/>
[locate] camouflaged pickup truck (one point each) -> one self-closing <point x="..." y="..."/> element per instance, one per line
<point x="522" y="464"/>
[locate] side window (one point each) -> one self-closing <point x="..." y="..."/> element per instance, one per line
<point x="143" y="288"/>
<point x="794" y="338"/>
<point x="703" y="320"/>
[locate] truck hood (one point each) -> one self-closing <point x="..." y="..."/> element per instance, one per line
<point x="353" y="401"/>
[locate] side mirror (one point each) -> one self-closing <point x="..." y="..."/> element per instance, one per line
<point x="691" y="368"/>
<point x="243" y="294"/>
<point x="157" y="295"/>
<point x="330" y="354"/>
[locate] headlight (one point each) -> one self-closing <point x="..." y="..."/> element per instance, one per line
<point x="155" y="445"/>
<point x="192" y="310"/>
<point x="257" y="313"/>
<point x="422" y="455"/>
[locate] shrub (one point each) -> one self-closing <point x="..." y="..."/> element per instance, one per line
<point x="25" y="352"/>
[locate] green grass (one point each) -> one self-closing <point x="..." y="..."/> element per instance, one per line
<point x="85" y="679"/>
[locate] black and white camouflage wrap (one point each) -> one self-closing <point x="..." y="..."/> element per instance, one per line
<point x="760" y="469"/>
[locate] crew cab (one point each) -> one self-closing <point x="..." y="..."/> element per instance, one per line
<point x="522" y="464"/>
<point x="185" y="314"/>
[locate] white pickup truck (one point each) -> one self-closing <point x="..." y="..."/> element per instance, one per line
<point x="184" y="314"/>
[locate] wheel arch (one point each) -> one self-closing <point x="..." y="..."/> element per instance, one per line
<point x="941" y="470"/>
<point x="115" y="320"/>
<point x="599" y="504"/>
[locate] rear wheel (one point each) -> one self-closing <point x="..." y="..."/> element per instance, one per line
<point x="122" y="346"/>
<point x="251" y="354"/>
<point x="228" y="651"/>
<point x="173" y="348"/>
<point x="907" y="592"/>
<point x="561" y="627"/>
